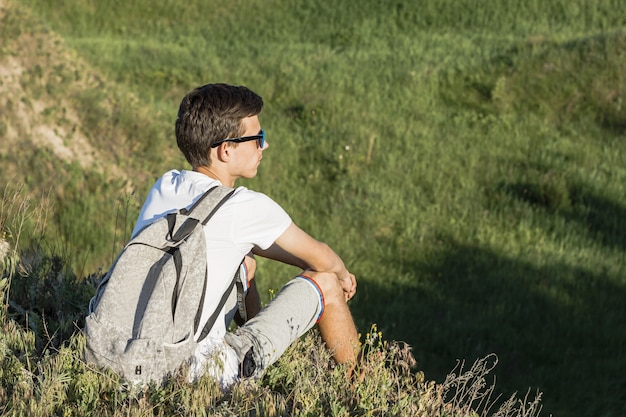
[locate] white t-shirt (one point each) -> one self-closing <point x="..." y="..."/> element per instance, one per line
<point x="245" y="220"/>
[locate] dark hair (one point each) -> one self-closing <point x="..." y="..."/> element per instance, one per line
<point x="211" y="113"/>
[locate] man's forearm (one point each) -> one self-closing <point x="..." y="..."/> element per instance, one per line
<point x="333" y="263"/>
<point x="277" y="253"/>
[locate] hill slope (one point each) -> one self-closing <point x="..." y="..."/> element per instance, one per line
<point x="466" y="158"/>
<point x="67" y="134"/>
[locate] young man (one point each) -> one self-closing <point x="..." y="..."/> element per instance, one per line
<point x="219" y="132"/>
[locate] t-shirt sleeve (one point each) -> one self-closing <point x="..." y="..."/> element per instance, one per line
<point x="259" y="218"/>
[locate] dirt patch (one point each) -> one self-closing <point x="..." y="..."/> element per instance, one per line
<point x="24" y="118"/>
<point x="39" y="75"/>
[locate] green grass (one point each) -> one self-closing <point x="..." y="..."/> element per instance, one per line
<point x="466" y="159"/>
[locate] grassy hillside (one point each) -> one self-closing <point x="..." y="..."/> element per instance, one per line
<point x="466" y="159"/>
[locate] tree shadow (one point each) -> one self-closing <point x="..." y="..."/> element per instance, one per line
<point x="555" y="328"/>
<point x="590" y="214"/>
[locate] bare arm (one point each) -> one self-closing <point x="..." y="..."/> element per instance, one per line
<point x="298" y="248"/>
<point x="277" y="253"/>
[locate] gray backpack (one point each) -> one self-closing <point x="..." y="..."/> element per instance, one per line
<point x="146" y="310"/>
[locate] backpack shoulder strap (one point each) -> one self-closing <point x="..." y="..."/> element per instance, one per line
<point x="208" y="203"/>
<point x="200" y="212"/>
<point x="209" y="324"/>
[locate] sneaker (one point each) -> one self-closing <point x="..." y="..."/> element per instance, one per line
<point x="249" y="362"/>
<point x="217" y="359"/>
<point x="248" y="365"/>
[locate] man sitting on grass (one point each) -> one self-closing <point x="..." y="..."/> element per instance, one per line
<point x="219" y="132"/>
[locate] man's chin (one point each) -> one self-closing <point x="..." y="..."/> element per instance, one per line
<point x="250" y="175"/>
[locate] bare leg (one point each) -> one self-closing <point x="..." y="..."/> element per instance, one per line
<point x="336" y="325"/>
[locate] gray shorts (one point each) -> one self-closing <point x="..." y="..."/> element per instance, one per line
<point x="259" y="343"/>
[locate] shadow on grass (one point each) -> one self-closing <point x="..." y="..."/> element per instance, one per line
<point x="555" y="328"/>
<point x="590" y="213"/>
<point x="601" y="218"/>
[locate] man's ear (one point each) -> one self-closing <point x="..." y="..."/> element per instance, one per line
<point x="223" y="152"/>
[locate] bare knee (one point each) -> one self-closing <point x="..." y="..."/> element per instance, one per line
<point x="329" y="285"/>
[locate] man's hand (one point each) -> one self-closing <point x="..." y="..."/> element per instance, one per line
<point x="349" y="286"/>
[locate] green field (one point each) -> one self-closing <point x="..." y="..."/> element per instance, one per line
<point x="466" y="158"/>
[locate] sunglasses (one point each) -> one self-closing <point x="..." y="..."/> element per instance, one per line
<point x="260" y="138"/>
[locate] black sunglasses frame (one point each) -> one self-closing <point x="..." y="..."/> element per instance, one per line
<point x="260" y="138"/>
